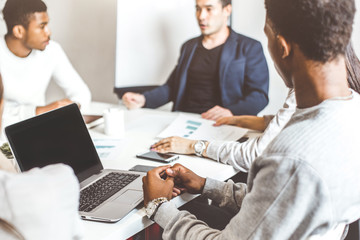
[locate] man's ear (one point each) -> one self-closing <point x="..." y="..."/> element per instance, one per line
<point x="284" y="45"/>
<point x="228" y="9"/>
<point x="18" y="31"/>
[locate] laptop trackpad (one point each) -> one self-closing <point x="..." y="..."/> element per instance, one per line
<point x="129" y="197"/>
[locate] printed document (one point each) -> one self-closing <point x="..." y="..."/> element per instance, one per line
<point x="202" y="129"/>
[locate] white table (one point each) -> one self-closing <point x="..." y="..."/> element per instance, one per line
<point x="141" y="128"/>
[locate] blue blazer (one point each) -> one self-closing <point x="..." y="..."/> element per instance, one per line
<point x="244" y="77"/>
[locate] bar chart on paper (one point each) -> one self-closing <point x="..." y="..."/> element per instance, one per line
<point x="197" y="128"/>
<point x="191" y="126"/>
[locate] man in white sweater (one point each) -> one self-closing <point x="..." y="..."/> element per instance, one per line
<point x="305" y="182"/>
<point x="28" y="61"/>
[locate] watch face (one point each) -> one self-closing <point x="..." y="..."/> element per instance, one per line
<point x="150" y="209"/>
<point x="198" y="147"/>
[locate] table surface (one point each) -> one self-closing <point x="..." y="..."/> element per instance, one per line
<point x="141" y="128"/>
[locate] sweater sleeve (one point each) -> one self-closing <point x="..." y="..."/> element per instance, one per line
<point x="281" y="196"/>
<point x="241" y="155"/>
<point x="69" y="80"/>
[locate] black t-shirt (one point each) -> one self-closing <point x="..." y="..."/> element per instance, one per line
<point x="202" y="86"/>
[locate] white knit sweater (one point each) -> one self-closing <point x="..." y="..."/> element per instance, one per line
<point x="26" y="80"/>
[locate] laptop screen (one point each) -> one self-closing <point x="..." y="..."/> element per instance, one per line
<point x="59" y="136"/>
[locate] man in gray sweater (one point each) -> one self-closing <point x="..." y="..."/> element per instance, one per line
<point x="306" y="183"/>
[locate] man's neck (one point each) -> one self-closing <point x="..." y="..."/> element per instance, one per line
<point x="17" y="47"/>
<point x="315" y="82"/>
<point x="216" y="39"/>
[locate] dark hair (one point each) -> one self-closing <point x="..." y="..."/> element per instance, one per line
<point x="352" y="68"/>
<point x="19" y="12"/>
<point x="321" y="28"/>
<point x="225" y="2"/>
<point x="10" y="228"/>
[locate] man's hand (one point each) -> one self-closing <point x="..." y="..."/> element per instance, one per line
<point x="52" y="106"/>
<point x="133" y="100"/>
<point x="235" y="120"/>
<point x="155" y="187"/>
<point x="174" y="145"/>
<point x="216" y="112"/>
<point x="185" y="179"/>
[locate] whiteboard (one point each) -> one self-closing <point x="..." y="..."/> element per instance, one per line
<point x="149" y="38"/>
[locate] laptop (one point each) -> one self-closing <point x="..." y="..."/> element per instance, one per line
<point x="61" y="136"/>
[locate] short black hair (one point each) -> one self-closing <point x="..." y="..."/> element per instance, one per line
<point x="225" y="2"/>
<point x="321" y="28"/>
<point x="19" y="12"/>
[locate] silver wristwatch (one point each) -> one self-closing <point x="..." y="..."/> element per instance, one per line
<point x="199" y="147"/>
<point x="153" y="205"/>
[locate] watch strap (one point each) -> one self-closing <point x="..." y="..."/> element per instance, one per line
<point x="203" y="147"/>
<point x="153" y="205"/>
<point x="152" y="217"/>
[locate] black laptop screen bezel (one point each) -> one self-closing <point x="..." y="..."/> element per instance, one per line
<point x="14" y="130"/>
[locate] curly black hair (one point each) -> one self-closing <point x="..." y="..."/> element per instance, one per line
<point x="18" y="12"/>
<point x="321" y="28"/>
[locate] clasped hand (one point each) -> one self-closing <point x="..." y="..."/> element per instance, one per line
<point x="169" y="181"/>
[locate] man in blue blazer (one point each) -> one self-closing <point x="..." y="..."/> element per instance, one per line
<point x="221" y="73"/>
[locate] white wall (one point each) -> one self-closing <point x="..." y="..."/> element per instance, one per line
<point x="249" y="19"/>
<point x="86" y="29"/>
<point x="356" y="31"/>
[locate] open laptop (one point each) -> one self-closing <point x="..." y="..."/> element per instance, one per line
<point x="61" y="136"/>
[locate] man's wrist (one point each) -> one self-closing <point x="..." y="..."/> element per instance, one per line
<point x="192" y="147"/>
<point x="205" y="150"/>
<point x="203" y="183"/>
<point x="39" y="110"/>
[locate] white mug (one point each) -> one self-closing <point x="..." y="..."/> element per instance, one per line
<point x="114" y="124"/>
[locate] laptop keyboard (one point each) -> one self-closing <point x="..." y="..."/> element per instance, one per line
<point x="103" y="189"/>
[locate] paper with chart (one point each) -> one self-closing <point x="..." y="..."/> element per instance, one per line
<point x="199" y="128"/>
<point x="109" y="148"/>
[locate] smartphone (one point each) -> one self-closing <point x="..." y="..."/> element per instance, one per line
<point x="160" y="157"/>
<point x="145" y="168"/>
<point x="141" y="168"/>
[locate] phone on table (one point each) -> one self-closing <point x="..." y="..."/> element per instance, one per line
<point x="145" y="168"/>
<point x="141" y="168"/>
<point x="160" y="157"/>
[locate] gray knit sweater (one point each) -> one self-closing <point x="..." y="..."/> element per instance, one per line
<point x="306" y="182"/>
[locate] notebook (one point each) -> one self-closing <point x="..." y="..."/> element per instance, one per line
<point x="61" y="136"/>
